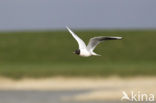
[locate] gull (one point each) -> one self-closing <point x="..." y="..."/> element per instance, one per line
<point x="86" y="51"/>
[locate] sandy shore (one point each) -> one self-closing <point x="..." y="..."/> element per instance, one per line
<point x="101" y="88"/>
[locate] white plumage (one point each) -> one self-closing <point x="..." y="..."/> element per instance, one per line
<point x="88" y="50"/>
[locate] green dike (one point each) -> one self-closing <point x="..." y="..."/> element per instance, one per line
<point x="49" y="53"/>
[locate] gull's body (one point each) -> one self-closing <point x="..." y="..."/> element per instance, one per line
<point x="88" y="50"/>
<point x="85" y="53"/>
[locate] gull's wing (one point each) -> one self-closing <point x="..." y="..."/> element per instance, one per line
<point x="81" y="43"/>
<point x="93" y="42"/>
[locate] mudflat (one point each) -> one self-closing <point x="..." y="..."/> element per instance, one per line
<point x="94" y="88"/>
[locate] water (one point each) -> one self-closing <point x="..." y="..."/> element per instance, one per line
<point x="42" y="97"/>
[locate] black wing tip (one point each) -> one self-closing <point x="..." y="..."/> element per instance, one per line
<point x="112" y="38"/>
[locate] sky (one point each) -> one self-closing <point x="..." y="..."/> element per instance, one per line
<point x="82" y="14"/>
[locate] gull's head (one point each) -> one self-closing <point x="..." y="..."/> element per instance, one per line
<point x="77" y="52"/>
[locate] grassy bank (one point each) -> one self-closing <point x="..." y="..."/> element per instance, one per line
<point x="49" y="53"/>
<point x="77" y="70"/>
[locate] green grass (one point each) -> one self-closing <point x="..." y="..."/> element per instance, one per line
<point x="49" y="53"/>
<point x="77" y="70"/>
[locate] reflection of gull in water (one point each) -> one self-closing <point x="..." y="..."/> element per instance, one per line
<point x="88" y="50"/>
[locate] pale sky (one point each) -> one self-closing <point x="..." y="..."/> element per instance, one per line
<point x="83" y="14"/>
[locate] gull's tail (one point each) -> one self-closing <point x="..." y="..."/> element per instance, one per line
<point x="93" y="53"/>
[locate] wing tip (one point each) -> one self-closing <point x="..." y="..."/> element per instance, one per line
<point x="67" y="27"/>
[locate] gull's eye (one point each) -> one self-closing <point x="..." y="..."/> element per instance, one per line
<point x="77" y="52"/>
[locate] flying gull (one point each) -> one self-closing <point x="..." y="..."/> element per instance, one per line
<point x="88" y="50"/>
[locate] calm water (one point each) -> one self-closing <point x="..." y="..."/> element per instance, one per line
<point x="41" y="96"/>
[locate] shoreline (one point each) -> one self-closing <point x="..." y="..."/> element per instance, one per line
<point x="99" y="88"/>
<point x="67" y="83"/>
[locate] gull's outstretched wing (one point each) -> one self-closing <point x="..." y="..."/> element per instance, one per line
<point x="93" y="42"/>
<point x="81" y="43"/>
